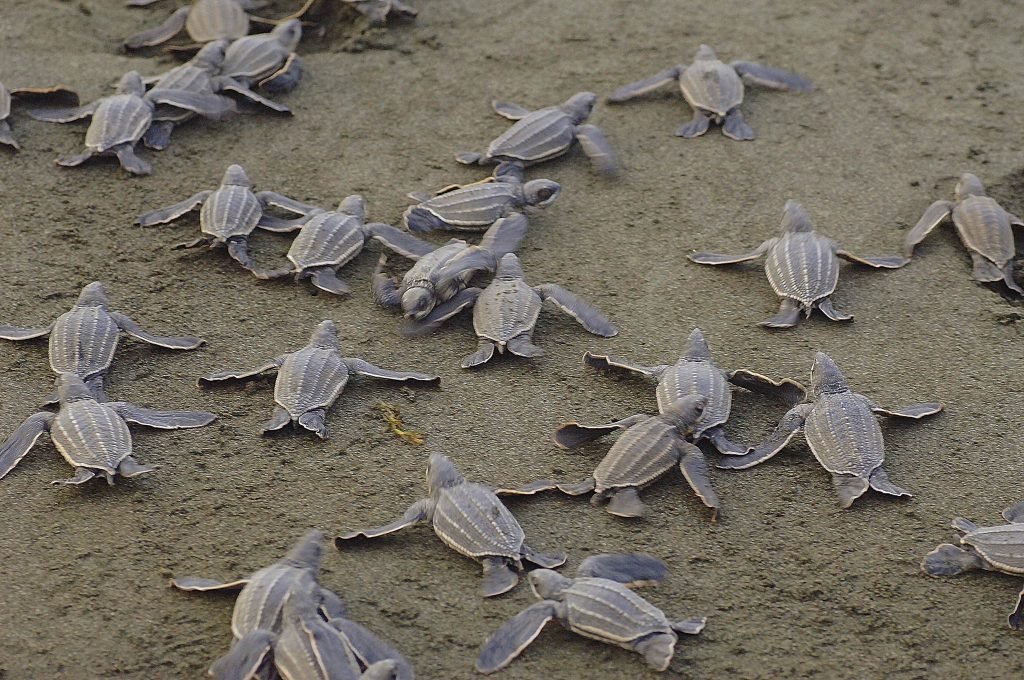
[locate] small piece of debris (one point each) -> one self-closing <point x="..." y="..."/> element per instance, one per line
<point x="391" y="416"/>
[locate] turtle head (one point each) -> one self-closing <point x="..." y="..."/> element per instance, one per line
<point x="826" y="377"/>
<point x="306" y="553"/>
<point x="131" y="83"/>
<point x="288" y="34"/>
<point x="93" y="295"/>
<point x="441" y="473"/>
<point x="579" y="106"/>
<point x="540" y="193"/>
<point x="969" y="185"/>
<point x="353" y="205"/>
<point x="509" y="267"/>
<point x="794" y="219"/>
<point x="72" y="388"/>
<point x="548" y="584"/>
<point x="325" y="335"/>
<point x="705" y="53"/>
<point x="211" y="56"/>
<point x="685" y="411"/>
<point x="418" y="300"/>
<point x="235" y="176"/>
<point x="697" y="346"/>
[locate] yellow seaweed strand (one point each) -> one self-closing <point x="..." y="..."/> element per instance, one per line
<point x="390" y="414"/>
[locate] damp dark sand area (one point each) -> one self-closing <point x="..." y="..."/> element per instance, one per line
<point x="910" y="95"/>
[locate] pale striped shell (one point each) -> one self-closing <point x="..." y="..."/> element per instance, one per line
<point x="230" y="211"/>
<point x="83" y="341"/>
<point x="984" y="227"/>
<point x="539" y="136"/>
<point x="261" y="601"/>
<point x="640" y="455"/>
<point x="1002" y="546"/>
<point x="802" y="266"/>
<point x="608" y="611"/>
<point x="215" y="19"/>
<point x="309" y="379"/>
<point x="186" y="77"/>
<point x="254" y="56"/>
<point x="710" y="85"/>
<point x="330" y="238"/>
<point x="505" y="309"/>
<point x="119" y="119"/>
<point x="89" y="434"/>
<point x="844" y="435"/>
<point x="699" y="377"/>
<point x="474" y="205"/>
<point x="471" y="520"/>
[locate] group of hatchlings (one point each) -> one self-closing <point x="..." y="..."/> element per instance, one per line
<point x="284" y="621"/>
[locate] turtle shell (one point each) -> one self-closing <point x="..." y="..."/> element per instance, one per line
<point x="119" y="119"/>
<point x="474" y="205"/>
<point x="505" y="309"/>
<point x="539" y="136"/>
<point x="698" y="377"/>
<point x="5" y="102"/>
<point x="712" y="86"/>
<point x="331" y="238"/>
<point x="210" y="20"/>
<point x="309" y="379"/>
<point x="1001" y="546"/>
<point x="984" y="227"/>
<point x="91" y="435"/>
<point x="471" y="520"/>
<point x="610" y="612"/>
<point x="844" y="435"/>
<point x="640" y="455"/>
<point x="83" y="341"/>
<point x="254" y="56"/>
<point x="803" y="266"/>
<point x="230" y="211"/>
<point x="186" y="77"/>
<point x="261" y="601"/>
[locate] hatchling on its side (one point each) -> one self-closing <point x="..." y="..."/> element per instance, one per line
<point x="90" y="435"/>
<point x="83" y="340"/>
<point x="999" y="548"/>
<point x="59" y="94"/>
<point x="842" y="430"/>
<point x="547" y="133"/>
<point x="203" y="20"/>
<point x="598" y="604"/>
<point x="506" y="312"/>
<point x="985" y="228"/>
<point x="312" y="378"/>
<point x="715" y="91"/>
<point x="802" y="267"/>
<point x="470" y="520"/>
<point x="267" y="60"/>
<point x="477" y="206"/>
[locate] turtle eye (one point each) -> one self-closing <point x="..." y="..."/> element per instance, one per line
<point x="545" y="194"/>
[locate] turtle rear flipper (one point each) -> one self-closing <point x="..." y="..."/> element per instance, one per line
<point x="735" y="127"/>
<point x="657" y="650"/>
<point x="483" y="354"/>
<point x="6" y="137"/>
<point x="879" y="481"/>
<point x="326" y="279"/>
<point x="369" y="648"/>
<point x="279" y="419"/>
<point x="521" y="346"/>
<point x="158" y="136"/>
<point x="950" y="560"/>
<point x="623" y="502"/>
<point x="828" y="309"/>
<point x="315" y="421"/>
<point x="788" y="316"/>
<point x="499" y="576"/>
<point x="544" y="560"/>
<point x="985" y="270"/>
<point x="697" y="126"/>
<point x="512" y="638"/>
<point x="22" y="440"/>
<point x="159" y="34"/>
<point x="245" y="657"/>
<point x="129" y="326"/>
<point x="1014" y="513"/>
<point x="129" y="467"/>
<point x="83" y="475"/>
<point x="629" y="569"/>
<point x="849" y="488"/>
<point x="130" y="161"/>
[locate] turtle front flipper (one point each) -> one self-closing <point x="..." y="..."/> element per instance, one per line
<point x="697" y="126"/>
<point x="888" y="262"/>
<point x="6" y="136"/>
<point x="788" y="316"/>
<point x="245" y="657"/>
<point x="129" y="161"/>
<point x="528" y="489"/>
<point x="690" y="626"/>
<point x="784" y="432"/>
<point x="416" y="513"/>
<point x="205" y="104"/>
<point x="158" y="136"/>
<point x="285" y="203"/>
<point x="205" y="584"/>
<point x="419" y="220"/>
<point x="499" y="576"/>
<point x="403" y="243"/>
<point x="717" y="258"/>
<point x="879" y="481"/>
<point x="279" y="225"/>
<point x="645" y="85"/>
<point x="597" y="148"/>
<point x="511" y="639"/>
<point x="543" y="560"/>
<point x="586" y="314"/>
<point x="769" y="76"/>
<point x="695" y="470"/>
<point x="164" y="420"/>
<point x="172" y="212"/>
<point x="578" y="488"/>
<point x="160" y="34"/>
<point x="441" y="313"/>
<point x="64" y="115"/>
<point x="790" y="391"/>
<point x="129" y="326"/>
<point x="914" y="411"/>
<point x="239" y="374"/>
<point x="933" y="216"/>
<point x="482" y="355"/>
<point x="504" y="235"/>
<point x="735" y="127"/>
<point x="510" y="110"/>
<point x="603" y="361"/>
<point x="571" y="435"/>
<point x="950" y="560"/>
<point x="228" y="84"/>
<point x="366" y="368"/>
<point x="828" y="309"/>
<point x="286" y="78"/>
<point x="369" y="648"/>
<point x="722" y="444"/>
<point x="849" y="488"/>
<point x="1016" y="617"/>
<point x="473" y="158"/>
<point x="16" y="333"/>
<point x="629" y="569"/>
<point x="384" y="286"/>
<point x="22" y="440"/>
<point x="326" y="279"/>
<point x="1015" y="513"/>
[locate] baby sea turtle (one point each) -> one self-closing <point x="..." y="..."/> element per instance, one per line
<point x="83" y="340"/>
<point x="802" y="267"/>
<point x="311" y="379"/>
<point x="203" y="20"/>
<point x="477" y="206"/>
<point x="506" y="312"/>
<point x="59" y="94"/>
<point x="376" y="11"/>
<point x="544" y="134"/>
<point x="470" y="520"/>
<point x="999" y="548"/>
<point x="436" y="288"/>
<point x="267" y="60"/>
<point x="694" y="374"/>
<point x="120" y="121"/>
<point x="92" y="436"/>
<point x="841" y="428"/>
<point x="598" y="604"/>
<point x="228" y="215"/>
<point x="715" y="90"/>
<point x="328" y="241"/>
<point x="649" y="447"/>
<point x="985" y="228"/>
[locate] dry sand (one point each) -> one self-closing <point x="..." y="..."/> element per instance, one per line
<point x="911" y="95"/>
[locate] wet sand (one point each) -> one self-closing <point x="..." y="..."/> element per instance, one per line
<point x="908" y="99"/>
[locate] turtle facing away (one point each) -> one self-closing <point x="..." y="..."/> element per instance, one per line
<point x="598" y="604"/>
<point x="715" y="91"/>
<point x="802" y="267"/>
<point x="547" y="133"/>
<point x="267" y="60"/>
<point x="506" y="312"/>
<point x="842" y="431"/>
<point x="470" y="520"/>
<point x="59" y="94"/>
<point x="998" y="548"/>
<point x="312" y="378"/>
<point x="985" y="228"/>
<point x="83" y="340"/>
<point x="90" y="435"/>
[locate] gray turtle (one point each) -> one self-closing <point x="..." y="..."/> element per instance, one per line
<point x="267" y="60"/>
<point x="694" y="374"/>
<point x="544" y="134"/>
<point x="649" y="447"/>
<point x="92" y="436"/>
<point x="120" y="120"/>
<point x="203" y="20"/>
<point x="328" y="241"/>
<point x="802" y="267"/>
<point x="470" y="520"/>
<point x="506" y="312"/>
<point x="715" y="91"/>
<point x="475" y="207"/>
<point x="228" y="215"/>
<point x="377" y="12"/>
<point x="997" y="548"/>
<point x="83" y="340"/>
<point x="437" y="288"/>
<point x="58" y="94"/>
<point x="598" y="604"/>
<point x="842" y="430"/>
<point x="312" y="378"/>
<point x="985" y="229"/>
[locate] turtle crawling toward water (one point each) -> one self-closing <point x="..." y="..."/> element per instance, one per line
<point x="714" y="90"/>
